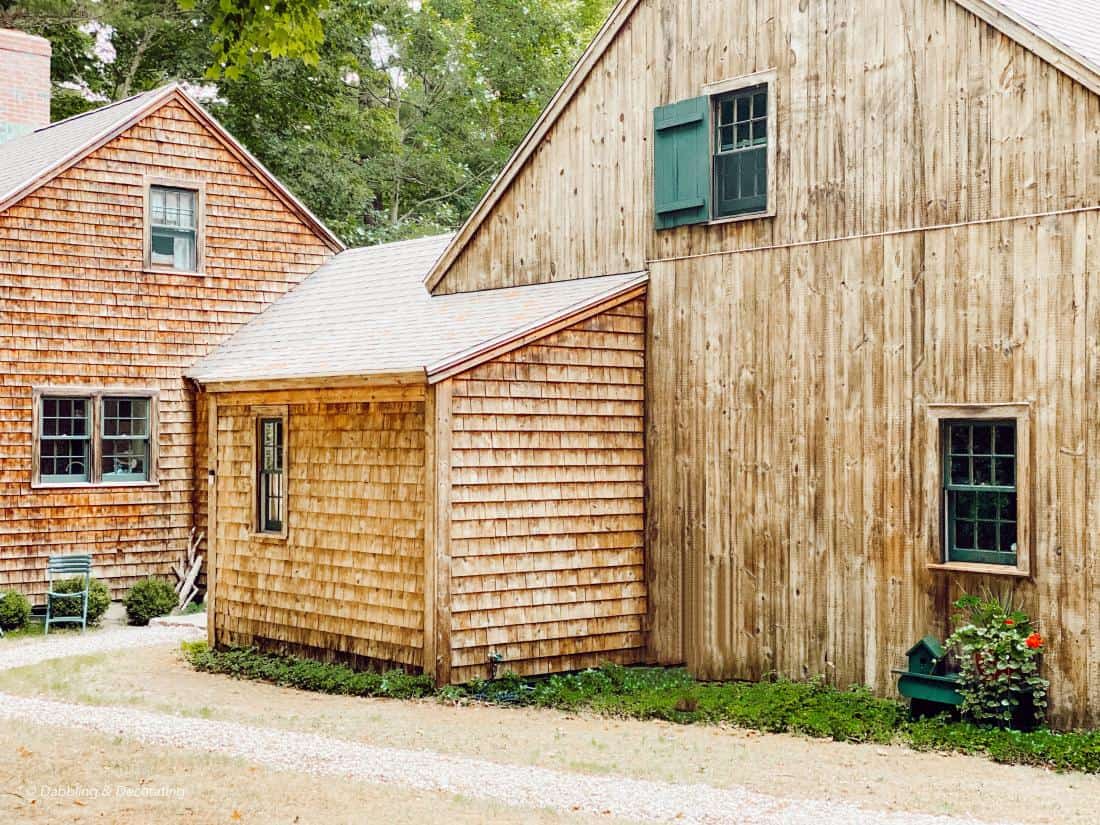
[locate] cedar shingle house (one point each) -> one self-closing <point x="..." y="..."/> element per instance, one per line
<point x="133" y="239"/>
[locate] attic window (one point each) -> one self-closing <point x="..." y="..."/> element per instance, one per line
<point x="714" y="155"/>
<point x="174" y="221"/>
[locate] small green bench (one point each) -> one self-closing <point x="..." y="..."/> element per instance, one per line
<point x="68" y="567"/>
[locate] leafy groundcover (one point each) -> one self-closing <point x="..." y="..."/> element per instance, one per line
<point x="809" y="708"/>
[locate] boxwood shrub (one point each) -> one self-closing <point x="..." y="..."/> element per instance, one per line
<point x="149" y="599"/>
<point x="15" y="610"/>
<point x="99" y="599"/>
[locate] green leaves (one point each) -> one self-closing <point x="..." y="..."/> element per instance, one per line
<point x="248" y="32"/>
<point x="998" y="670"/>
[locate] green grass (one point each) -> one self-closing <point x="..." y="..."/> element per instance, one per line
<point x="809" y="708"/>
<point x="31" y="628"/>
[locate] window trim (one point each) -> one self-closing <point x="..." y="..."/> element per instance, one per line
<point x="260" y="413"/>
<point x="199" y="188"/>
<point x="94" y="396"/>
<point x="766" y="78"/>
<point x="935" y="493"/>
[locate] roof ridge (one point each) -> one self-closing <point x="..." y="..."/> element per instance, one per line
<point x="104" y="107"/>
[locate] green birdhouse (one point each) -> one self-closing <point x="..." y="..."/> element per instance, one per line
<point x="925" y="655"/>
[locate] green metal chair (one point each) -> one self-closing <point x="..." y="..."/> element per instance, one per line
<point x="68" y="567"/>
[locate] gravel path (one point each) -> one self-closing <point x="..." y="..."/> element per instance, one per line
<point x="37" y="649"/>
<point x="523" y="786"/>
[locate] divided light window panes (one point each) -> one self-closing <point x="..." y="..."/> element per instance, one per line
<point x="65" y="440"/>
<point x="741" y="152"/>
<point x="271" y="489"/>
<point x="174" y="228"/>
<point x="979" y="479"/>
<point x="94" y="439"/>
<point x="125" y="439"/>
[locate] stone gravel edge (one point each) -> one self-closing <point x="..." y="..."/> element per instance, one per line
<point x="517" y="785"/>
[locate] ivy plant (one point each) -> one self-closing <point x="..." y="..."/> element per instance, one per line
<point x="999" y="653"/>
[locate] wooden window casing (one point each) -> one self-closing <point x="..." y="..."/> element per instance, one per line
<point x="740" y="162"/>
<point x="979" y="490"/>
<point x="271" y="502"/>
<point x="979" y="482"/>
<point x="114" y="446"/>
<point x="184" y="217"/>
<point x="714" y="155"/>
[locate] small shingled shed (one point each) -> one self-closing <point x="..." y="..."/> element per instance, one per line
<point x="435" y="482"/>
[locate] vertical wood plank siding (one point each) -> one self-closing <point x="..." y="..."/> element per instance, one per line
<point x="76" y="308"/>
<point x="348" y="581"/>
<point x="790" y="468"/>
<point x="890" y="115"/>
<point x="790" y="371"/>
<point x="547" y="505"/>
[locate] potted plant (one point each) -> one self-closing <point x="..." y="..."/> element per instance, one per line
<point x="998" y="652"/>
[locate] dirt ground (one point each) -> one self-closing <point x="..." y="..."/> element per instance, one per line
<point x="875" y="777"/>
<point x="48" y="776"/>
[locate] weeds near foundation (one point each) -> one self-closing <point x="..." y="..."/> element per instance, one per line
<point x="810" y="708"/>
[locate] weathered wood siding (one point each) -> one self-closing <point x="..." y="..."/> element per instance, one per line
<point x="891" y="115"/>
<point x="790" y="465"/>
<point x="547" y="502"/>
<point x="347" y="583"/>
<point x="77" y="308"/>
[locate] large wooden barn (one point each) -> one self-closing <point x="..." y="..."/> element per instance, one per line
<point x="133" y="238"/>
<point x="871" y="350"/>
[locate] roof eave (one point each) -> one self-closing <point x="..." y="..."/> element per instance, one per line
<point x="508" y="342"/>
<point x="603" y="39"/>
<point x="154" y="102"/>
<point x="379" y="378"/>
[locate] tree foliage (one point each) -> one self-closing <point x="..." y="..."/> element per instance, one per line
<point x="389" y="126"/>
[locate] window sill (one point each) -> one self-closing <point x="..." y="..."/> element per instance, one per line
<point x="148" y="269"/>
<point x="748" y="216"/>
<point x="88" y="485"/>
<point x="277" y="538"/>
<point x="1010" y="570"/>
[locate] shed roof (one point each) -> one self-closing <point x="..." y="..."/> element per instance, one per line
<point x="32" y="160"/>
<point x="367" y="312"/>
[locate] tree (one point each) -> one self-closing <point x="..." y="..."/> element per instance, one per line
<point x="395" y="128"/>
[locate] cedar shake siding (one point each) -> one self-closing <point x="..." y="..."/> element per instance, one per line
<point x="78" y="309"/>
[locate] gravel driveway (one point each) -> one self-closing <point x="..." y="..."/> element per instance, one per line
<point x="518" y="785"/>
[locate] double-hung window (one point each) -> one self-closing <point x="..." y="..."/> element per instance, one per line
<point x="741" y="152"/>
<point x="65" y="440"/>
<point x="174" y="227"/>
<point x="714" y="155"/>
<point x="977" y="487"/>
<point x="94" y="437"/>
<point x="271" y="496"/>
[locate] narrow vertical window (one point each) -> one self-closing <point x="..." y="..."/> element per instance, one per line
<point x="980" y="494"/>
<point x="174" y="228"/>
<point x="741" y="152"/>
<point x="271" y="470"/>
<point x="124" y="449"/>
<point x="65" y="440"/>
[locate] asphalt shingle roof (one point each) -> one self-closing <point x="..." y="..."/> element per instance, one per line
<point x="367" y="311"/>
<point x="1074" y="23"/>
<point x="25" y="158"/>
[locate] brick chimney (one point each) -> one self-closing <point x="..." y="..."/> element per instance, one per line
<point x="24" y="83"/>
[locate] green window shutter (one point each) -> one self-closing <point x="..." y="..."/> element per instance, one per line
<point x="681" y="163"/>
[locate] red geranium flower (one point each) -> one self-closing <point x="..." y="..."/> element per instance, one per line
<point x="1035" y="641"/>
<point x="1010" y="622"/>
